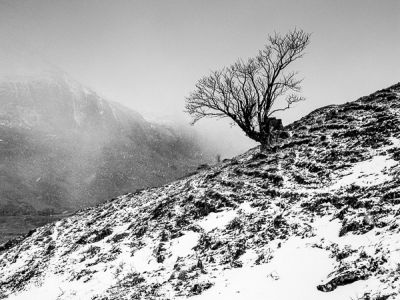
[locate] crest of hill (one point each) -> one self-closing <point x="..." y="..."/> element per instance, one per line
<point x="314" y="218"/>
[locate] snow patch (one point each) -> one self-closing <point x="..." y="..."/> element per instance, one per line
<point x="294" y="273"/>
<point x="217" y="220"/>
<point x="249" y="257"/>
<point x="247" y="208"/>
<point x="182" y="246"/>
<point x="144" y="260"/>
<point x="367" y="173"/>
<point x="395" y="142"/>
<point x="55" y="286"/>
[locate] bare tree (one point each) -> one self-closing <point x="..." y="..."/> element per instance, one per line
<point x="247" y="91"/>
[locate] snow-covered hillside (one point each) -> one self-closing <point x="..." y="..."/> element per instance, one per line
<point x="315" y="218"/>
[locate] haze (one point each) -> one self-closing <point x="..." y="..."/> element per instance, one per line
<point x="148" y="55"/>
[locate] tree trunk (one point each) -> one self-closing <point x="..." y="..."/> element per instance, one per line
<point x="265" y="145"/>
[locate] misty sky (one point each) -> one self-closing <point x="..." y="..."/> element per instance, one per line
<point x="149" y="54"/>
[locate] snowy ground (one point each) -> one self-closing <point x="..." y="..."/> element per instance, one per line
<point x="295" y="270"/>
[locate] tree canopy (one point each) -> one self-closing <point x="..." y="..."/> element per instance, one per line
<point x="249" y="90"/>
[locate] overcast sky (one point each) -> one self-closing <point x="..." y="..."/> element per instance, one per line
<point x="149" y="54"/>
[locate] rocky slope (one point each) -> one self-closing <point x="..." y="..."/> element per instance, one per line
<point x="63" y="147"/>
<point x="315" y="218"/>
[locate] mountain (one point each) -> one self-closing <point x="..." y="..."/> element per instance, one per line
<point x="316" y="217"/>
<point x="64" y="147"/>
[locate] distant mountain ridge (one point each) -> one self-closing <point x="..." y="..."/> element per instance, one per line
<point x="64" y="147"/>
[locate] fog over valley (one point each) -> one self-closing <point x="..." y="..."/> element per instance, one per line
<point x="64" y="147"/>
